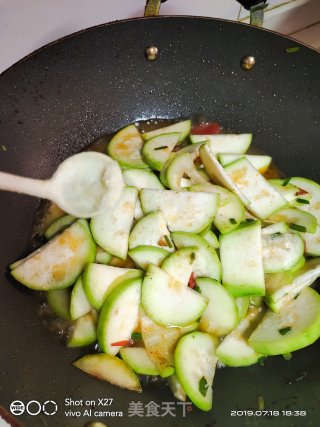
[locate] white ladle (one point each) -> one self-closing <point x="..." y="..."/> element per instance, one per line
<point x="84" y="185"/>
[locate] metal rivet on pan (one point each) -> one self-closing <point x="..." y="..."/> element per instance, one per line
<point x="151" y="53"/>
<point x="248" y="62"/>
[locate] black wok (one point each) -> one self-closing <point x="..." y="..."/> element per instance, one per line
<point x="64" y="96"/>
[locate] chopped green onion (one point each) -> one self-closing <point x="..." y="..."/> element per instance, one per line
<point x="197" y="288"/>
<point x="203" y="386"/>
<point x="298" y="227"/>
<point x="285" y="331"/>
<point x="248" y="221"/>
<point x="161" y="148"/>
<point x="3" y="147"/>
<point x="260" y="402"/>
<point x="261" y="360"/>
<point x="275" y="235"/>
<point x="136" y="336"/>
<point x="232" y="221"/>
<point x="286" y="181"/>
<point x="169" y="243"/>
<point x="287" y="356"/>
<point x="303" y="201"/>
<point x="292" y="49"/>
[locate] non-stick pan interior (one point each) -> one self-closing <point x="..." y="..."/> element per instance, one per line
<point x="66" y="95"/>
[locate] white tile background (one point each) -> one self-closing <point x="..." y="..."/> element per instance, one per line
<point x="26" y="25"/>
<point x="298" y="18"/>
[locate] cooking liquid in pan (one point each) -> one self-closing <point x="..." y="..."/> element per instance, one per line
<point x="48" y="212"/>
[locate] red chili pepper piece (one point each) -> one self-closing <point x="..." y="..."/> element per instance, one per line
<point x="211" y="128"/>
<point x="192" y="281"/>
<point x="122" y="343"/>
<point x="301" y="191"/>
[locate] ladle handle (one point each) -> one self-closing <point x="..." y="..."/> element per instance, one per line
<point x="19" y="184"/>
<point x="152" y="8"/>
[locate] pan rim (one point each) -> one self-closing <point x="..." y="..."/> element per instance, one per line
<point x="143" y="19"/>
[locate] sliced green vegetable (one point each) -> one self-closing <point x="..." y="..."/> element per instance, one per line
<point x="260" y="162"/>
<point x="206" y="263"/>
<point x="235" y="350"/>
<point x="192" y="149"/>
<point x="141" y="178"/>
<point x="307" y="188"/>
<point x="274" y="229"/>
<point x="230" y="206"/>
<point x="225" y="143"/>
<point x="160" y="343"/>
<point x="102" y="257"/>
<point x="138" y="359"/>
<point x="109" y="368"/>
<point x="126" y="146"/>
<point x="287" y="190"/>
<point x="163" y="297"/>
<point x="99" y="280"/>
<point x="182" y="211"/>
<point x="263" y="199"/>
<point x="145" y="255"/>
<point x="210" y="236"/>
<point x="176" y="388"/>
<point x="111" y="229"/>
<point x="58" y="225"/>
<point x="182" y="172"/>
<point x="59" y="262"/>
<point x="183" y="128"/>
<point x="151" y="230"/>
<point x="242" y="270"/>
<point x="119" y="315"/>
<point x="281" y="288"/>
<point x="218" y="174"/>
<point x="221" y="314"/>
<point x="83" y="331"/>
<point x="297" y="219"/>
<point x="243" y="306"/>
<point x="157" y="150"/>
<point x="195" y="363"/>
<point x="59" y="302"/>
<point x="79" y="304"/>
<point x="312" y="242"/>
<point x="179" y="265"/>
<point x="281" y="251"/>
<point x="297" y="325"/>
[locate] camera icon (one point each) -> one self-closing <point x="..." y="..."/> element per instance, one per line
<point x="17" y="407"/>
<point x="33" y="407"/>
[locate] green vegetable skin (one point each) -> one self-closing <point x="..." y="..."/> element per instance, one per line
<point x="109" y="368"/>
<point x="295" y="326"/>
<point x="195" y="363"/>
<point x="137" y="358"/>
<point x="170" y="220"/>
<point x="163" y="296"/>
<point x="119" y="315"/>
<point x="57" y="264"/>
